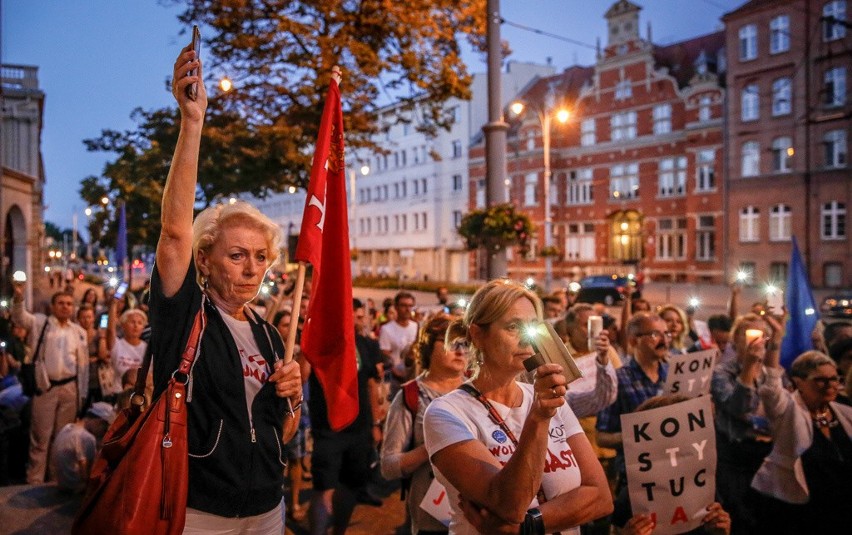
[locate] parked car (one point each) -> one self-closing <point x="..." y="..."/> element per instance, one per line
<point x="837" y="305"/>
<point x="606" y="289"/>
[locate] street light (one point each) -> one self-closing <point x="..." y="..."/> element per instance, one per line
<point x="545" y="115"/>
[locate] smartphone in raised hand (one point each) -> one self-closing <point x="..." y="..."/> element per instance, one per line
<point x="120" y="291"/>
<point x="192" y="89"/>
<point x="549" y="347"/>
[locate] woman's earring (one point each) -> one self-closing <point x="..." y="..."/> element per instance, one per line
<point x="204" y="281"/>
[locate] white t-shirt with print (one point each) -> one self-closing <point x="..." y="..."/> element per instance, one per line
<point x="394" y="338"/>
<point x="125" y="356"/>
<point x="255" y="369"/>
<point x="458" y="416"/>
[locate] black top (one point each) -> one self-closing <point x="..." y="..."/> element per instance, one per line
<point x="828" y="471"/>
<point x="235" y="467"/>
<point x="369" y="356"/>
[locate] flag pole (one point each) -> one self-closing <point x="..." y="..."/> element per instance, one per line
<point x="294" y="315"/>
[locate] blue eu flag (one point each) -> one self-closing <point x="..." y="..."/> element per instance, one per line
<point x="801" y="309"/>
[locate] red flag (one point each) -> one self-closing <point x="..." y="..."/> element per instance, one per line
<point x="328" y="338"/>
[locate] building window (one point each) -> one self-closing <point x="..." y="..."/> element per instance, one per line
<point x="833" y="274"/>
<point x="623" y="125"/>
<point x="705" y="170"/>
<point x="457" y="148"/>
<point x="580" y="187"/>
<point x="835" y="148"/>
<point x="671" y="239"/>
<point x="749" y="224"/>
<point x="530" y="188"/>
<point x="580" y="241"/>
<point x="782" y="98"/>
<point x="779" y="34"/>
<point x="704" y="112"/>
<point x="457" y="182"/>
<point x="780" y="223"/>
<point x="623" y="90"/>
<point x="835" y="87"/>
<point x="672" y="180"/>
<point x="457" y="217"/>
<point x="423" y="217"/>
<point x="404" y="222"/>
<point x="782" y="151"/>
<point x="778" y="271"/>
<point x="423" y="183"/>
<point x="480" y="193"/>
<point x="834" y="16"/>
<point x="626" y="241"/>
<point x="587" y="132"/>
<point x="833" y="221"/>
<point x="751" y="159"/>
<point x="748" y="42"/>
<point x="750" y="101"/>
<point x="705" y="238"/>
<point x="624" y="182"/>
<point x="662" y="119"/>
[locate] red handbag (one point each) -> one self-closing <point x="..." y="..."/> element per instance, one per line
<point x="139" y="480"/>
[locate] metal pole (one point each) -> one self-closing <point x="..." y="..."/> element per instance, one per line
<point x="545" y="119"/>
<point x="495" y="133"/>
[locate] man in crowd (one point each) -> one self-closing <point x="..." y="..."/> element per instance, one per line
<point x="77" y="443"/>
<point x="642" y="377"/>
<point x="61" y="357"/>
<point x="553" y="307"/>
<point x="340" y="465"/>
<point x="396" y="337"/>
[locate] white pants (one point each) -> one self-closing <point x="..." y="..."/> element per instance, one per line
<point x="201" y="523"/>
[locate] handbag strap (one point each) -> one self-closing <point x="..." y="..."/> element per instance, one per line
<point x="497" y="419"/>
<point x="40" y="340"/>
<point x="193" y="345"/>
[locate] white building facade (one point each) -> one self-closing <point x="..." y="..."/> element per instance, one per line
<point x="409" y="199"/>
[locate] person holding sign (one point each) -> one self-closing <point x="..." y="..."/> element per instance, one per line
<point x="512" y="456"/>
<point x="641" y="378"/>
<point x="672" y="473"/>
<point x="742" y="430"/>
<point x="808" y="474"/>
<point x="441" y="353"/>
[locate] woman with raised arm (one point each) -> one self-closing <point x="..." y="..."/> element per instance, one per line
<point x="238" y="389"/>
<point x="512" y="456"/>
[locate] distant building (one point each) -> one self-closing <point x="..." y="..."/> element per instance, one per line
<point x="23" y="178"/>
<point x="636" y="170"/>
<point x="406" y="207"/>
<point x="789" y="111"/>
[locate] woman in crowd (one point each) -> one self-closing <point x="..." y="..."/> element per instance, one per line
<point x="441" y="354"/>
<point x="126" y="351"/>
<point x="90" y="297"/>
<point x="677" y="323"/>
<point x="743" y="435"/>
<point x="238" y="417"/>
<point x="808" y="474"/>
<point x="512" y="455"/>
<point x="86" y="320"/>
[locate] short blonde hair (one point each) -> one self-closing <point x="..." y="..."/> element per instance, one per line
<point x="208" y="226"/>
<point x="131" y="312"/>
<point x="490" y="303"/>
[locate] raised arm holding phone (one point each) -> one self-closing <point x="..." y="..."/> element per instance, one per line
<point x="238" y="418"/>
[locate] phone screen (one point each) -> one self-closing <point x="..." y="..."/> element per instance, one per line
<point x="192" y="89"/>
<point x="104" y="321"/>
<point x="121" y="290"/>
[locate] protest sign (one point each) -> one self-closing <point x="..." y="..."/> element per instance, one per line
<point x="670" y="455"/>
<point x="436" y="503"/>
<point x="690" y="374"/>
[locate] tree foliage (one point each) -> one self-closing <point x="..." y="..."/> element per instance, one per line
<point x="258" y="137"/>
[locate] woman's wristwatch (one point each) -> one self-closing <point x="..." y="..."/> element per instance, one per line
<point x="533" y="523"/>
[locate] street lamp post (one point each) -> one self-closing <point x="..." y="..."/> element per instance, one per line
<point x="545" y="115"/>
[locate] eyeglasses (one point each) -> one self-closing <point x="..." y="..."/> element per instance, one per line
<point x="460" y="346"/>
<point x="823" y="382"/>
<point x="659" y="335"/>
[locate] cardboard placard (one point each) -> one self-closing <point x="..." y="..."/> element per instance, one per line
<point x="691" y="374"/>
<point x="670" y="455"/>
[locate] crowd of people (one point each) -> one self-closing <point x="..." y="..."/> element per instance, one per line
<point x="448" y="400"/>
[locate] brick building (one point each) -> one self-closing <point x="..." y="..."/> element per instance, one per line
<point x="636" y="170"/>
<point x="789" y="120"/>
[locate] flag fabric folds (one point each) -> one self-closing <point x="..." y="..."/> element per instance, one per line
<point x="328" y="338"/>
<point x="801" y="310"/>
